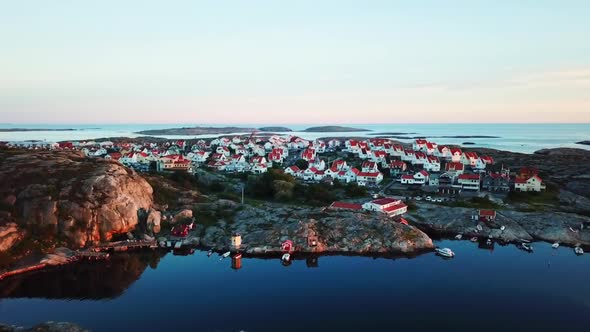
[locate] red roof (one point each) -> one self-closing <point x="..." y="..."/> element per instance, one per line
<point x="397" y="164"/>
<point x="294" y="168"/>
<point x="469" y="177"/>
<point x="487" y="213"/>
<point x="408" y="177"/>
<point x="395" y="207"/>
<point x="455" y="166"/>
<point x="344" y="205"/>
<point x="471" y="155"/>
<point x="424" y="173"/>
<point x="369" y="174"/>
<point x="421" y="141"/>
<point x="385" y="201"/>
<point x="420" y="155"/>
<point x="441" y="148"/>
<point x="487" y="159"/>
<point x="456" y="151"/>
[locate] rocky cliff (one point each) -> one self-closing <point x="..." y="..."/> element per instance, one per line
<point x="72" y="197"/>
<point x="264" y="228"/>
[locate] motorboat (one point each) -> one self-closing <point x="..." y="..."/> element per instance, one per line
<point x="209" y="253"/>
<point x="226" y="255"/>
<point x="286" y="257"/>
<point x="474" y="239"/>
<point x="459" y="237"/>
<point x="579" y="251"/>
<point x="445" y="252"/>
<point x="555" y="245"/>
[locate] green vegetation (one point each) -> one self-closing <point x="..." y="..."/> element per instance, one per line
<point x="302" y="164"/>
<point x="547" y="197"/>
<point x="353" y="190"/>
<point x="475" y="203"/>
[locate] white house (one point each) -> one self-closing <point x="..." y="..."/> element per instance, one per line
<point x="534" y="183"/>
<point x="369" y="167"/>
<point x="456" y="155"/>
<point x="432" y="164"/>
<point x="349" y="175"/>
<point x="407" y="179"/>
<point x="293" y="171"/>
<point x="223" y="150"/>
<point x="469" y="159"/>
<point x="408" y="156"/>
<point x="421" y="177"/>
<point x="369" y="178"/>
<point x="259" y="168"/>
<point x="318" y="163"/>
<point x="419" y="144"/>
<point x="483" y="162"/>
<point x="390" y="206"/>
<point x="469" y="181"/>
<point x="443" y="152"/>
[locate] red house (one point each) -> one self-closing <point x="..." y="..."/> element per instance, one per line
<point x="287" y="246"/>
<point x="486" y="215"/>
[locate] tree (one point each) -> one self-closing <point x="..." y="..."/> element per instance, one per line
<point x="302" y="164"/>
<point x="353" y="190"/>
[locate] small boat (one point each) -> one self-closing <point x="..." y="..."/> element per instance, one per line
<point x="286" y="258"/>
<point x="526" y="246"/>
<point x="209" y="253"/>
<point x="579" y="251"/>
<point x="489" y="242"/>
<point x="555" y="245"/>
<point x="162" y="244"/>
<point x="178" y="244"/>
<point x="168" y="244"/>
<point x="226" y="255"/>
<point x="459" y="236"/>
<point x="502" y="228"/>
<point x="474" y="239"/>
<point x="445" y="252"/>
<point x="479" y="228"/>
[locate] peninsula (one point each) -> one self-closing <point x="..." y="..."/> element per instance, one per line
<point x="332" y="129"/>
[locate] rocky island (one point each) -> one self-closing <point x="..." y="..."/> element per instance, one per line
<point x="194" y="131"/>
<point x="583" y="142"/>
<point x="333" y="129"/>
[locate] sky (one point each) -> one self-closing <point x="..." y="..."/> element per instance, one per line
<point x="291" y="62"/>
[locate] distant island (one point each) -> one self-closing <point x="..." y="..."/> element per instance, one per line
<point x="332" y="129"/>
<point x="191" y="131"/>
<point x="583" y="143"/>
<point x="400" y="136"/>
<point x="276" y="129"/>
<point x="10" y="130"/>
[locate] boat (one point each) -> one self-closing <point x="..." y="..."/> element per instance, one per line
<point x="555" y="245"/>
<point x="226" y="255"/>
<point x="579" y="251"/>
<point x="459" y="237"/>
<point x="502" y="228"/>
<point x="178" y="244"/>
<point x="474" y="239"/>
<point x="237" y="256"/>
<point x="445" y="252"/>
<point x="489" y="242"/>
<point x="526" y="246"/>
<point x="168" y="244"/>
<point x="162" y="244"/>
<point x="286" y="257"/>
<point x="209" y="253"/>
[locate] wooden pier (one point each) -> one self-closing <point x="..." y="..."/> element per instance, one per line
<point x="125" y="246"/>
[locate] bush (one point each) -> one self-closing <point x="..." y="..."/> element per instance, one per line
<point x="353" y="190"/>
<point x="302" y="164"/>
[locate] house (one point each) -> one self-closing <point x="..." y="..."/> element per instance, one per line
<point x="496" y="182"/>
<point x="430" y="148"/>
<point x="369" y="178"/>
<point x="419" y="144"/>
<point x="258" y="160"/>
<point x="421" y="177"/>
<point x="390" y="206"/>
<point x="408" y="156"/>
<point x="365" y="153"/>
<point x="318" y="163"/>
<point x="369" y="166"/>
<point x="293" y="171"/>
<point x="483" y="162"/>
<point x="349" y="175"/>
<point x="334" y="143"/>
<point x="259" y="168"/>
<point x="454" y="168"/>
<point x="443" y="152"/>
<point x="397" y="167"/>
<point x="198" y="156"/>
<point x="534" y="183"/>
<point x="528" y="172"/>
<point x="420" y="158"/>
<point x="308" y="154"/>
<point x="397" y="150"/>
<point x="173" y="163"/>
<point x="100" y="152"/>
<point x="407" y="179"/>
<point x="433" y="180"/>
<point x="469" y="159"/>
<point x="432" y="164"/>
<point x="345" y="206"/>
<point x="456" y="155"/>
<point x="469" y="181"/>
<point x="485" y="215"/>
<point x="276" y="156"/>
<point x="339" y="165"/>
<point x="309" y="174"/>
<point x="114" y="156"/>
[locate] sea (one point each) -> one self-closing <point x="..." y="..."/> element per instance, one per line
<point x="499" y="288"/>
<point x="525" y="138"/>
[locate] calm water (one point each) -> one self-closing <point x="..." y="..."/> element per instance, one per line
<point x="504" y="289"/>
<point x="513" y="137"/>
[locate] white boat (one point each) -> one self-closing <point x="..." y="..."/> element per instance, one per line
<point x="479" y="228"/>
<point x="445" y="252"/>
<point x="555" y="245"/>
<point x="526" y="246"/>
<point x="226" y="255"/>
<point x="579" y="251"/>
<point x="209" y="253"/>
<point x="178" y="244"/>
<point x="489" y="242"/>
<point x="459" y="237"/>
<point x="502" y="228"/>
<point x="474" y="239"/>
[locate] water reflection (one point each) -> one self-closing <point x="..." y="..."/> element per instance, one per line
<point x="84" y="280"/>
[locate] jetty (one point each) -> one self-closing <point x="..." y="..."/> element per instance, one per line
<point x="124" y="246"/>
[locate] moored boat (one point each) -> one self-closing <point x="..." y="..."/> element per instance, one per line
<point x="579" y="251"/>
<point x="474" y="239"/>
<point x="445" y="252"/>
<point x="226" y="255"/>
<point x="526" y="247"/>
<point x="459" y="236"/>
<point x="209" y="253"/>
<point x="555" y="245"/>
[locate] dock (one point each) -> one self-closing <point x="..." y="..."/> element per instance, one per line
<point x="125" y="246"/>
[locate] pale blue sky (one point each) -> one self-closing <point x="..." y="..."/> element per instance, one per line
<point x="294" y="61"/>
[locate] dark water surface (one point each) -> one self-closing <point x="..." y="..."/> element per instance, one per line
<point x="479" y="290"/>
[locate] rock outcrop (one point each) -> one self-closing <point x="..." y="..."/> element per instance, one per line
<point x="81" y="199"/>
<point x="315" y="230"/>
<point x="546" y="226"/>
<point x="46" y="327"/>
<point x="9" y="236"/>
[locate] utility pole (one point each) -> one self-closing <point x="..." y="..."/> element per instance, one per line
<point x="243" y="186"/>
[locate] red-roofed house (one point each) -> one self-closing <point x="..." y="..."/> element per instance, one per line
<point x="469" y="158"/>
<point x="396" y="167"/>
<point x="421" y="177"/>
<point x="407" y="179"/>
<point x="419" y="144"/>
<point x="469" y="181"/>
<point x="293" y="171"/>
<point x="173" y="163"/>
<point x="431" y="148"/>
<point x="485" y="215"/>
<point x="483" y="162"/>
<point x="432" y="164"/>
<point x="339" y="165"/>
<point x="369" y="166"/>
<point x="454" y="168"/>
<point x="390" y="206"/>
<point x="369" y="178"/>
<point x="308" y="154"/>
<point x="443" y="152"/>
<point x="534" y="183"/>
<point x="456" y="155"/>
